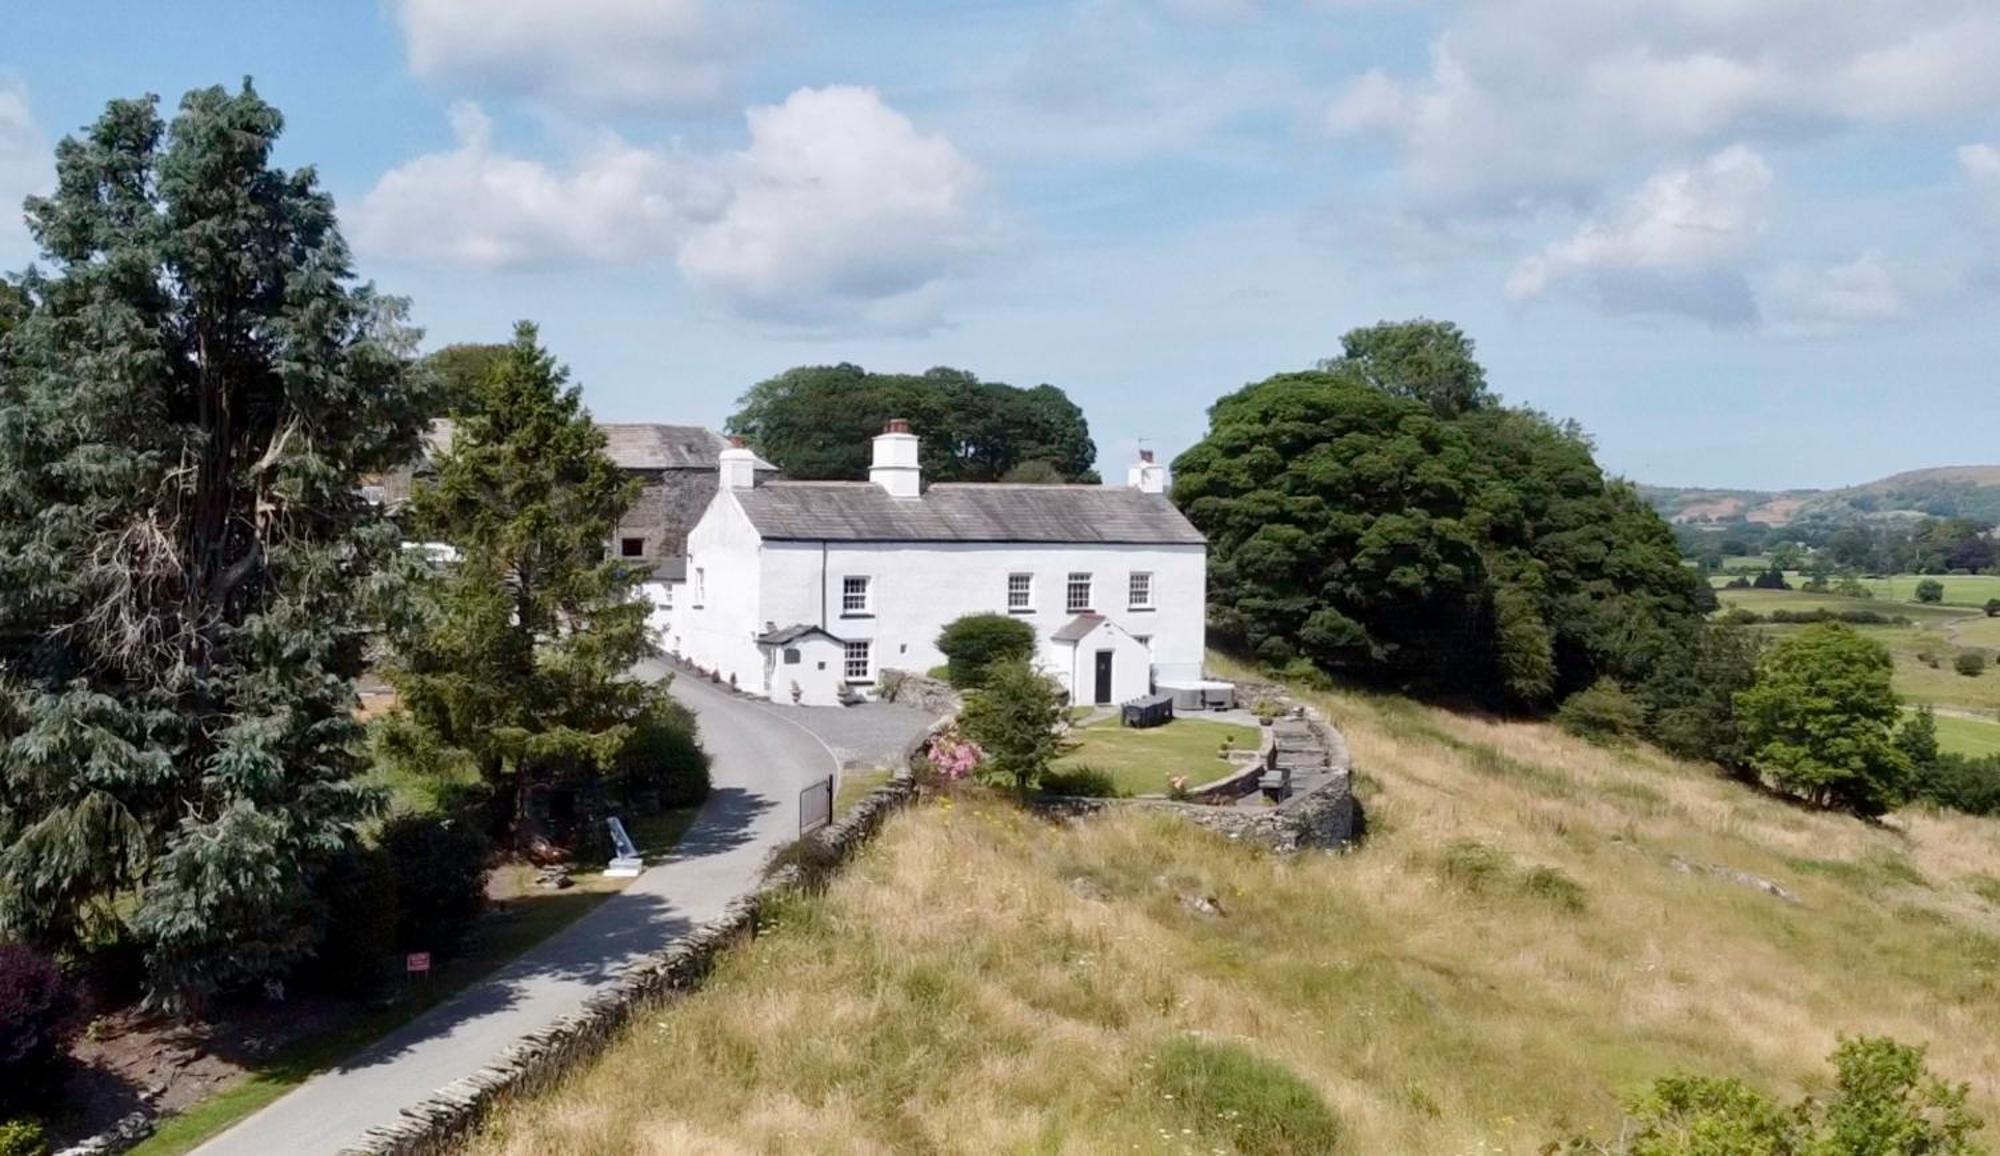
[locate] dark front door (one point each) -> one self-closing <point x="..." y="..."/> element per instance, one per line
<point x="1103" y="678"/>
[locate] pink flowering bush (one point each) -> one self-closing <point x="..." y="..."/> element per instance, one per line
<point x="953" y="756"/>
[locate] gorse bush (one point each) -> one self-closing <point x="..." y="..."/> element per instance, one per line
<point x="1256" y="1107"/>
<point x="973" y="644"/>
<point x="37" y="1010"/>
<point x="1884" y="1102"/>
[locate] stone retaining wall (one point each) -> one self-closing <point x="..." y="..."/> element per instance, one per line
<point x="919" y="690"/>
<point x="439" y="1124"/>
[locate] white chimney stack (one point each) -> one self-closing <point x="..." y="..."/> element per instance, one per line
<point x="895" y="468"/>
<point x="1146" y="475"/>
<point x="738" y="466"/>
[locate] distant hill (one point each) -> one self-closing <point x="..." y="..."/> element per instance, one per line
<point x="1943" y="492"/>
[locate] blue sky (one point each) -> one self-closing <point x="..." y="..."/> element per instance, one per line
<point x="1744" y="242"/>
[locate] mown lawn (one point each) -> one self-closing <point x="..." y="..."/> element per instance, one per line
<point x="1144" y="760"/>
<point x="1535" y="929"/>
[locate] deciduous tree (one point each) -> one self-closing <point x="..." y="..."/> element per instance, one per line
<point x="185" y="409"/>
<point x="1821" y="719"/>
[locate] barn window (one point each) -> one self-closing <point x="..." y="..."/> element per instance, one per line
<point x="857" y="666"/>
<point x="1079" y="592"/>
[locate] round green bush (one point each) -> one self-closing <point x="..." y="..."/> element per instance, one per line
<point x="973" y="644"/>
<point x="439" y="867"/>
<point x="1970" y="663"/>
<point x="663" y="762"/>
<point x="1930" y="590"/>
<point x="1601" y="712"/>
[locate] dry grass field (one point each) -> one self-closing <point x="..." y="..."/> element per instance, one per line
<point x="1534" y="928"/>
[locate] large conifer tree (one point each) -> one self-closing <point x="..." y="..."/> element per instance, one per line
<point x="517" y="655"/>
<point x="185" y="409"/>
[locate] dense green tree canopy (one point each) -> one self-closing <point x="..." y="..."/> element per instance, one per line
<point x="460" y="371"/>
<point x="515" y="655"/>
<point x="1359" y="530"/>
<point x="1423" y="360"/>
<point x="1821" y="720"/>
<point x="816" y="422"/>
<point x="185" y="410"/>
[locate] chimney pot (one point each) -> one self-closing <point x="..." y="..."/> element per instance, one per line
<point x="736" y="440"/>
<point x="896" y="425"/>
<point x="1145" y="455"/>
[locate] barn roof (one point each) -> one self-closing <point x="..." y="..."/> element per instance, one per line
<point x="648" y="446"/>
<point x="965" y="512"/>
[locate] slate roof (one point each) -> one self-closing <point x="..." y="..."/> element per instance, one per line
<point x="1077" y="629"/>
<point x="784" y="636"/>
<point x="647" y="446"/>
<point x="965" y="512"/>
<point x="633" y="445"/>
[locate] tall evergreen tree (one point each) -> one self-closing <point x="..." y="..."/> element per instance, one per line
<point x="186" y="405"/>
<point x="517" y="654"/>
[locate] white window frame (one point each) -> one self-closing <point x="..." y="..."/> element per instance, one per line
<point x="865" y="608"/>
<point x="1086" y="580"/>
<point x="867" y="668"/>
<point x="700" y="586"/>
<point x="1139" y="590"/>
<point x="1026" y="605"/>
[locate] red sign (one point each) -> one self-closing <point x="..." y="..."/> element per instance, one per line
<point x="417" y="961"/>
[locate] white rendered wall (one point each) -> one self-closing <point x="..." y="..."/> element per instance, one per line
<point x="1131" y="666"/>
<point x="715" y="616"/>
<point x="919" y="587"/>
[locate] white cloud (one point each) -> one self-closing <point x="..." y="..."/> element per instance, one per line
<point x="600" y="53"/>
<point x="480" y="207"/>
<point x="1979" y="168"/>
<point x="840" y="212"/>
<point x="1529" y="103"/>
<point x="25" y="169"/>
<point x="1673" y="246"/>
<point x="1807" y="301"/>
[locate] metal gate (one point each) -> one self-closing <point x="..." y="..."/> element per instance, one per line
<point x="816" y="806"/>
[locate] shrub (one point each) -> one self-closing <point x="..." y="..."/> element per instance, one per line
<point x="37" y="1017"/>
<point x="1884" y="1102"/>
<point x="663" y="760"/>
<point x="22" y="1138"/>
<point x="1970" y="663"/>
<point x="1930" y="590"/>
<point x="1256" y="1107"/>
<point x="356" y="956"/>
<point x="1016" y="721"/>
<point x="1737" y="583"/>
<point x="1993" y="608"/>
<point x="972" y="645"/>
<point x="1741" y="616"/>
<point x="1080" y="782"/>
<point x="1772" y="579"/>
<point x="1960" y="783"/>
<point x="1601" y="712"/>
<point x="439" y="866"/>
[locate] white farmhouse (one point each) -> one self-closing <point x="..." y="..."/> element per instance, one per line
<point x="805" y="591"/>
